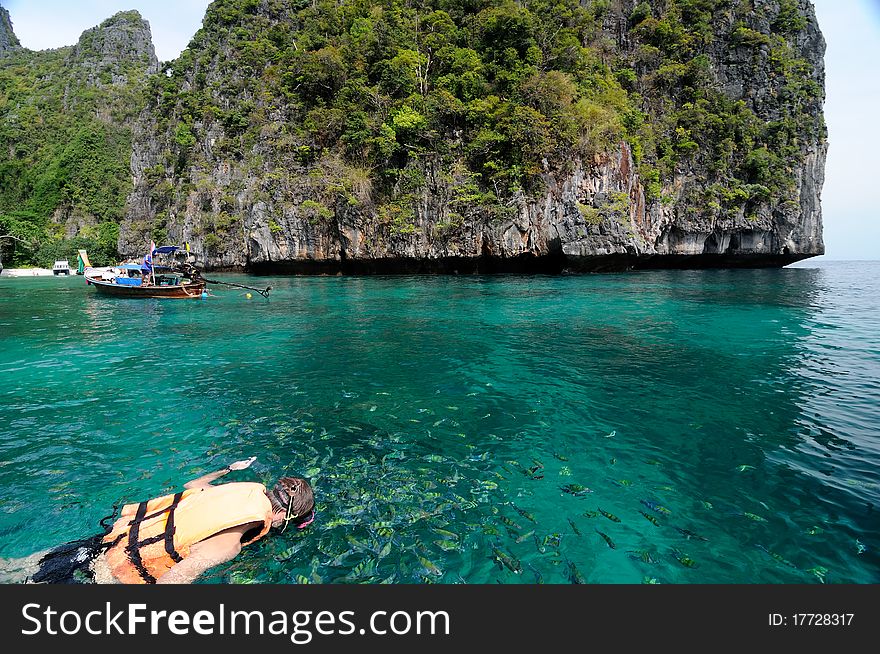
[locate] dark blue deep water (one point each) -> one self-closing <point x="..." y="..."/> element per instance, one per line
<point x="671" y="427"/>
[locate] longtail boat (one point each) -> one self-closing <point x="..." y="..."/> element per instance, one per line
<point x="168" y="277"/>
<point x="147" y="279"/>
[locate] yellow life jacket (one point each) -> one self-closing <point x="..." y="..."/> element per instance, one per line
<point x="149" y="538"/>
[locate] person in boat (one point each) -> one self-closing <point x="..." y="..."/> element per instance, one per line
<point x="174" y="538"/>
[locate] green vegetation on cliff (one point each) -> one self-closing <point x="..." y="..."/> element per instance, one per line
<point x="375" y="100"/>
<point x="65" y="117"/>
<point x="495" y="94"/>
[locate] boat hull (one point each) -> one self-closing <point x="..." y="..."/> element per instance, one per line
<point x="180" y="292"/>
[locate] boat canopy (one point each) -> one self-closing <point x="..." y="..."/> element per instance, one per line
<point x="129" y="266"/>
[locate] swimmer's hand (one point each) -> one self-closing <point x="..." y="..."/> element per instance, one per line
<point x="205" y="481"/>
<point x="241" y="465"/>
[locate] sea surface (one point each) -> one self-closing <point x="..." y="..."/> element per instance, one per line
<point x="648" y="427"/>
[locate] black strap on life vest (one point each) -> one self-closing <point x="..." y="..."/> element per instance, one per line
<point x="134" y="545"/>
<point x="170" y="529"/>
<point x="113" y="543"/>
<point x="154" y="515"/>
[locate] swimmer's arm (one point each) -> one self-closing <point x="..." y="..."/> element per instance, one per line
<point x="203" y="556"/>
<point x="205" y="480"/>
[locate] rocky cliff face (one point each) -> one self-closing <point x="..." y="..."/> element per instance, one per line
<point x="8" y="40"/>
<point x="254" y="194"/>
<point x="110" y="52"/>
<point x="65" y="122"/>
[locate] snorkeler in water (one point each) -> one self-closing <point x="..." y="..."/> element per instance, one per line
<point x="175" y="538"/>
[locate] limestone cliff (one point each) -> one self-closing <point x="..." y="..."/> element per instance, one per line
<point x="110" y="52"/>
<point x="8" y="40"/>
<point x="253" y="190"/>
<point x="462" y="135"/>
<point x="65" y="126"/>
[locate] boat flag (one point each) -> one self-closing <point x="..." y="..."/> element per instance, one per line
<point x="82" y="262"/>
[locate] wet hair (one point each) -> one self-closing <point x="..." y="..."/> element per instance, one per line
<point x="295" y="497"/>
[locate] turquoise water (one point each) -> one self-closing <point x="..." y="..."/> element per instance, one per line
<point x="725" y="421"/>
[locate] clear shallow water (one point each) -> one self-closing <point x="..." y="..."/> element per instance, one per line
<point x="728" y="420"/>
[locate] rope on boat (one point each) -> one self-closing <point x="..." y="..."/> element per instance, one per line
<point x="263" y="292"/>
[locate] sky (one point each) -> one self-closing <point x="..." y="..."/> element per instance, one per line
<point x="851" y="29"/>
